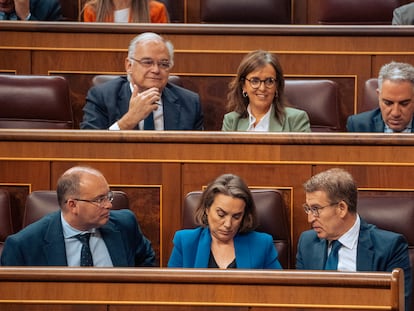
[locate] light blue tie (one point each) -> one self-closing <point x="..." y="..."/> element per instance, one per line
<point x="332" y="261"/>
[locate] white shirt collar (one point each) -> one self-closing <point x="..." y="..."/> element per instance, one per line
<point x="262" y="125"/>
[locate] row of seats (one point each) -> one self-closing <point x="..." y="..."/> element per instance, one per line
<point x="44" y="102"/>
<point x="374" y="12"/>
<point x="389" y="213"/>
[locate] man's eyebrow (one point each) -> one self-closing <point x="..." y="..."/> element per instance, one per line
<point x="400" y="101"/>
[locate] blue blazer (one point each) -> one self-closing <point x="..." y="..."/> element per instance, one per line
<point x="368" y="121"/>
<point x="378" y="250"/>
<point x="254" y="250"/>
<point x="42" y="243"/>
<point x="106" y="103"/>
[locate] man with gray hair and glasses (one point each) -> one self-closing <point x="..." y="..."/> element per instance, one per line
<point x="396" y="103"/>
<point x="340" y="239"/>
<point x="144" y="99"/>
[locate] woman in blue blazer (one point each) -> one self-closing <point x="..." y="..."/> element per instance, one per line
<point x="226" y="237"/>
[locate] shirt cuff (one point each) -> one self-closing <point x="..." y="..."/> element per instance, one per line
<point x="114" y="127"/>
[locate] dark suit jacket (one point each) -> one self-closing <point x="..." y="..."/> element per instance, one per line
<point x="40" y="10"/>
<point x="108" y="102"/>
<point x="404" y="15"/>
<point x="369" y="121"/>
<point x="254" y="250"/>
<point x="42" y="242"/>
<point x="378" y="250"/>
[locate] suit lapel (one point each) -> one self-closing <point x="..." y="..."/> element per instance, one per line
<point x="319" y="255"/>
<point x="379" y="123"/>
<point x="54" y="247"/>
<point x="365" y="253"/>
<point x="274" y="124"/>
<point x="242" y="250"/>
<point x="124" y="96"/>
<point x="115" y="244"/>
<point x="171" y="109"/>
<point x="203" y="249"/>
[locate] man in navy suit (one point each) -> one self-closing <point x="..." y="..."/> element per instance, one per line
<point x="396" y="103"/>
<point x="115" y="238"/>
<point x="30" y="10"/>
<point x="331" y="206"/>
<point x="144" y="99"/>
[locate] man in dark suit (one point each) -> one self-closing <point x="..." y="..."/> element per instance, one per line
<point x="144" y="99"/>
<point x="30" y="10"/>
<point x="396" y="103"/>
<point x="114" y="238"/>
<point x="331" y="206"/>
<point x="404" y="15"/>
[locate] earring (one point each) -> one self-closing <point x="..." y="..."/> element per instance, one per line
<point x="244" y="93"/>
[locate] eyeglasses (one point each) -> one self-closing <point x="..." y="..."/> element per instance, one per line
<point x="314" y="210"/>
<point x="99" y="201"/>
<point x="256" y="82"/>
<point x="149" y="62"/>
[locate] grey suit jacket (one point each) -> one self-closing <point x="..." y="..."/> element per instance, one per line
<point x="295" y="121"/>
<point x="42" y="243"/>
<point x="404" y="15"/>
<point x="368" y="121"/>
<point x="378" y="250"/>
<point x="108" y="102"/>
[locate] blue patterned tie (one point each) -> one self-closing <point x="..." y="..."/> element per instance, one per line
<point x="86" y="255"/>
<point x="332" y="261"/>
<point x="149" y="122"/>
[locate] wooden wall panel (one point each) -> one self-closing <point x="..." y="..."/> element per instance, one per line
<point x="198" y="289"/>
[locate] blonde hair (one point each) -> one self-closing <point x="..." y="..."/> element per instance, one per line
<point x="139" y="10"/>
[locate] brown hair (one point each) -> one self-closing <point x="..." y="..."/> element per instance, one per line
<point x="338" y="185"/>
<point x="251" y="62"/>
<point x="230" y="185"/>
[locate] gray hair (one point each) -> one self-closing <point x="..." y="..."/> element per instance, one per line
<point x="396" y="72"/>
<point x="150" y="36"/>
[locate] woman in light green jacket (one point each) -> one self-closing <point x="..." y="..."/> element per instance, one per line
<point x="256" y="98"/>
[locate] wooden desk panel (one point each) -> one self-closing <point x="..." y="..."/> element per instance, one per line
<point x="202" y="287"/>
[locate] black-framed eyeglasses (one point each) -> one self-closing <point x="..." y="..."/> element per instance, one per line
<point x="314" y="209"/>
<point x="256" y="82"/>
<point x="98" y="201"/>
<point x="149" y="62"/>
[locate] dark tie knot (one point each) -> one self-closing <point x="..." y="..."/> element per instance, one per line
<point x="84" y="238"/>
<point x="335" y="245"/>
